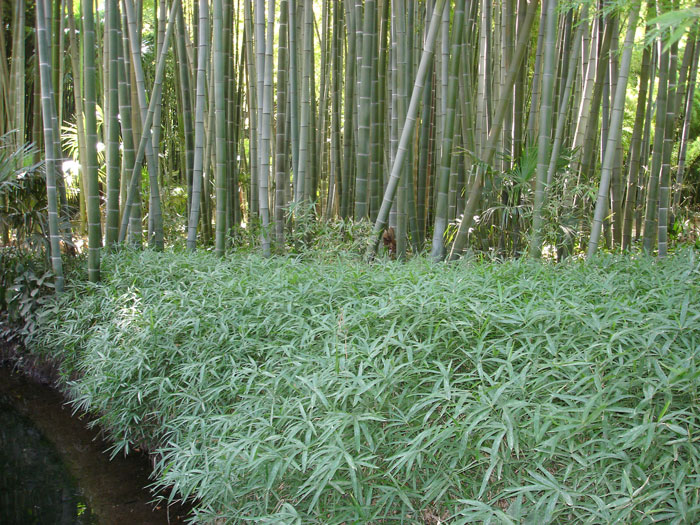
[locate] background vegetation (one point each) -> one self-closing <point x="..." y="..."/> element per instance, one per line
<point x="312" y="386"/>
<point x="510" y="126"/>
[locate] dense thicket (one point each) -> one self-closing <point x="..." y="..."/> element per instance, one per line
<point x="328" y="391"/>
<point x="501" y="125"/>
<point x="323" y="389"/>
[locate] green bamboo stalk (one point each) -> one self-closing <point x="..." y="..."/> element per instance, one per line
<point x="53" y="29"/>
<point x="236" y="134"/>
<point x="363" y="127"/>
<point x="412" y="60"/>
<point x="394" y="129"/>
<point x="442" y="61"/>
<point x="314" y="158"/>
<point x="563" y="60"/>
<point x="220" y="125"/>
<point x="669" y="139"/>
<point x="131" y="120"/>
<point x="229" y="111"/>
<point x="685" y="130"/>
<point x="650" y="215"/>
<point x="281" y="175"/>
<point x="614" y="136"/>
<point x="536" y="78"/>
<point x="49" y="146"/>
<point x="37" y="129"/>
<point x="543" y="153"/>
<point x="374" y="175"/>
<point x="185" y="82"/>
<point x="635" y="149"/>
<point x="483" y="80"/>
<point x="407" y="131"/>
<point x="566" y="96"/>
<point x="79" y="112"/>
<point x="614" y="222"/>
<point x="252" y="98"/>
<point x="646" y="147"/>
<point x="266" y="126"/>
<point x="5" y="87"/>
<point x="130" y="75"/>
<point x="17" y="73"/>
<point x="128" y="153"/>
<point x="139" y="19"/>
<point x="424" y="152"/>
<point x="155" y="233"/>
<point x="336" y="63"/>
<point x="591" y="131"/>
<point x="93" y="197"/>
<point x="321" y="127"/>
<point x="159" y="15"/>
<point x="688" y="51"/>
<point x="145" y="141"/>
<point x="60" y="66"/>
<point x="113" y="167"/>
<point x="507" y="46"/>
<point x="207" y="233"/>
<point x="402" y="58"/>
<point x="608" y="61"/>
<point x="358" y="36"/>
<point x="302" y="190"/>
<point x="348" y="125"/>
<point x="503" y="101"/>
<point x="161" y="19"/>
<point x="441" y="208"/>
<point x="294" y="107"/>
<point x="519" y="95"/>
<point x="586" y="95"/>
<point x="102" y="64"/>
<point x="466" y="80"/>
<point x="198" y="167"/>
<point x="378" y="111"/>
<point x="453" y="176"/>
<point x="259" y="43"/>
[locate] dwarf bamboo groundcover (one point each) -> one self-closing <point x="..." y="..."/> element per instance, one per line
<point x="313" y="391"/>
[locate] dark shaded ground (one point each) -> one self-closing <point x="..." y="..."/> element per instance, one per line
<point x="35" y="485"/>
<point x="114" y="490"/>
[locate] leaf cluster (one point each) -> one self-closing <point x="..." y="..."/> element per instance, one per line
<point x="316" y="391"/>
<point x="22" y="193"/>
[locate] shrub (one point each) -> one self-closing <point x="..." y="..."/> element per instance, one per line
<point x="316" y="391"/>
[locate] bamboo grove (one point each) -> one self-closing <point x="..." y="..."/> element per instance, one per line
<point x="513" y="126"/>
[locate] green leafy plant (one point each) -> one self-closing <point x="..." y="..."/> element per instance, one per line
<point x="673" y="24"/>
<point x="307" y="390"/>
<point x="512" y="215"/>
<point x="22" y="195"/>
<point x="25" y="280"/>
<point x="325" y="238"/>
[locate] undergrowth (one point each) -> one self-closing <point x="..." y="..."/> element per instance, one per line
<point x="321" y="391"/>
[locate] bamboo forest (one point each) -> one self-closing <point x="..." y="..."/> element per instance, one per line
<point x="358" y="261"/>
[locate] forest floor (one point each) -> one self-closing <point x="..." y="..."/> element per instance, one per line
<point x="326" y="390"/>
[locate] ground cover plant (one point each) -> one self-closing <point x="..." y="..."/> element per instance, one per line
<point x="331" y="391"/>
